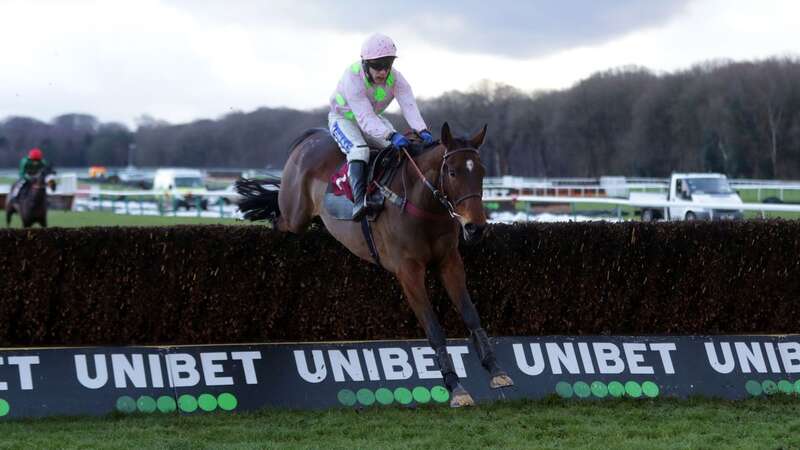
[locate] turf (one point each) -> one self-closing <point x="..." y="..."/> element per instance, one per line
<point x="97" y="218"/>
<point x="553" y="423"/>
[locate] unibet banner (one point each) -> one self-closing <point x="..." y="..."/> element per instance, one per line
<point x="196" y="379"/>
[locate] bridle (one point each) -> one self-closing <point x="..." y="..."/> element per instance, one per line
<point x="438" y="192"/>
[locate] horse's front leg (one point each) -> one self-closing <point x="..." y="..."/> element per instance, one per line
<point x="454" y="280"/>
<point x="412" y="278"/>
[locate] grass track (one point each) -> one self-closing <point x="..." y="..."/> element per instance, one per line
<point x="96" y="218"/>
<point x="616" y="424"/>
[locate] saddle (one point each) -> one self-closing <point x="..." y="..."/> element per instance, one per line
<point x="383" y="166"/>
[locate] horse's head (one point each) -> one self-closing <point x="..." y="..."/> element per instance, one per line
<point x="461" y="180"/>
<point x="50" y="179"/>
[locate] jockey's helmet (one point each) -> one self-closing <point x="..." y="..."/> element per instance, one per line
<point x="378" y="46"/>
<point x="35" y="154"/>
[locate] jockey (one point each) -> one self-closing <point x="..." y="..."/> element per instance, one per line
<point x="29" y="166"/>
<point x="355" y="121"/>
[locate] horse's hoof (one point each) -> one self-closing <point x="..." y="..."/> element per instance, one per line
<point x="501" y="380"/>
<point x="460" y="397"/>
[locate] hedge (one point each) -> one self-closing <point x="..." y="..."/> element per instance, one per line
<point x="220" y="284"/>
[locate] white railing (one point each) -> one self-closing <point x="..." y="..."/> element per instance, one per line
<point x="200" y="203"/>
<point x="619" y="202"/>
<point x="591" y="187"/>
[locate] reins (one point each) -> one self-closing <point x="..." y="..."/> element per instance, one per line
<point x="438" y="193"/>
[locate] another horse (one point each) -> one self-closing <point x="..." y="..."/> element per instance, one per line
<point x="425" y="232"/>
<point x="31" y="201"/>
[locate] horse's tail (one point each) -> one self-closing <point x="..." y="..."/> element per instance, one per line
<point x="259" y="203"/>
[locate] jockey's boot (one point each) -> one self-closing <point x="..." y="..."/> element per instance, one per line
<point x="357" y="174"/>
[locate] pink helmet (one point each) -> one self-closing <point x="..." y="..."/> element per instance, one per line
<point x="378" y="46"/>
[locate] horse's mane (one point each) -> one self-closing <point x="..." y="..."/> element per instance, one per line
<point x="417" y="146"/>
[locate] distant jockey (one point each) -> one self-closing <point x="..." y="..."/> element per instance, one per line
<point x="29" y="166"/>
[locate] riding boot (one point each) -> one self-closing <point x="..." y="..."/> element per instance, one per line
<point x="357" y="174"/>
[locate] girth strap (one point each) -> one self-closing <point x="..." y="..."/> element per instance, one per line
<point x="373" y="251"/>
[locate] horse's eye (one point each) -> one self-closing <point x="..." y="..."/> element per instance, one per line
<point x="452" y="173"/>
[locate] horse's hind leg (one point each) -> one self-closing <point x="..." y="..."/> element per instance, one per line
<point x="412" y="279"/>
<point x="9" y="213"/>
<point x="454" y="280"/>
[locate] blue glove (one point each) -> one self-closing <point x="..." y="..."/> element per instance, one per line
<point x="399" y="141"/>
<point x="426" y="136"/>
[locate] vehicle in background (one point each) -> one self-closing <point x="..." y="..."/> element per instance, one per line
<point x="132" y="176"/>
<point x="98" y="172"/>
<point x="183" y="188"/>
<point x="697" y="189"/>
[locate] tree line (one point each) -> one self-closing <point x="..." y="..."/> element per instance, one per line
<point x="739" y="118"/>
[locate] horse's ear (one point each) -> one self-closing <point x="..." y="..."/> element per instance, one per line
<point x="447" y="138"/>
<point x="477" y="140"/>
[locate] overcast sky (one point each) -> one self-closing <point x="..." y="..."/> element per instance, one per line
<point x="180" y="60"/>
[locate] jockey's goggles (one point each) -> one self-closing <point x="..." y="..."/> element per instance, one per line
<point x="381" y="63"/>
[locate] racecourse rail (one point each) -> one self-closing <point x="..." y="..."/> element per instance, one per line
<point x="124" y="202"/>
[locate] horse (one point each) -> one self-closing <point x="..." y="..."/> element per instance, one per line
<point x="31" y="200"/>
<point x="407" y="238"/>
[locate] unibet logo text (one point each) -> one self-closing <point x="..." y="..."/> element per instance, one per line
<point x="595" y="357"/>
<point x="751" y="358"/>
<point x="395" y="364"/>
<point x="181" y="369"/>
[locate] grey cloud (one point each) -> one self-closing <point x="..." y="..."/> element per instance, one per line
<point x="501" y="27"/>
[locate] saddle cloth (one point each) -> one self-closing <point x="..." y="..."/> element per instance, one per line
<point x="339" y="195"/>
<point x="383" y="165"/>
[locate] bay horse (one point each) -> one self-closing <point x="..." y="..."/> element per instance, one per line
<point x="31" y="201"/>
<point x="425" y="232"/>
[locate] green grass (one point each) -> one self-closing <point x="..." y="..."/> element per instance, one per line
<point x="752" y="196"/>
<point x="97" y="218"/>
<point x="617" y="424"/>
